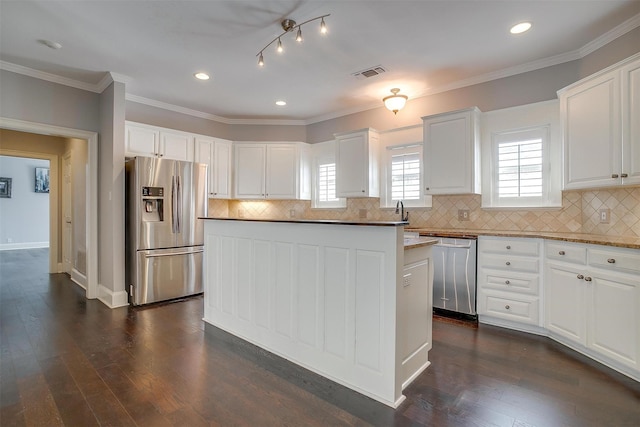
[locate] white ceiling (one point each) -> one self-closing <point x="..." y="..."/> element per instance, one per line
<point x="425" y="45"/>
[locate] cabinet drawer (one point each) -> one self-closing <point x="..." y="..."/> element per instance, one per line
<point x="507" y="263"/>
<point x="624" y="262"/>
<point x="520" y="283"/>
<point x="567" y="253"/>
<point x="510" y="246"/>
<point x="516" y="309"/>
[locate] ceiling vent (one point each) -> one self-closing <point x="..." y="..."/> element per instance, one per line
<point x="369" y="72"/>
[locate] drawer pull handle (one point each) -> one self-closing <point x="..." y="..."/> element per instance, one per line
<point x="614" y="175"/>
<point x="508" y="263"/>
<point x="507" y="282"/>
<point x="624" y="175"/>
<point x="508" y="246"/>
<point x="507" y="307"/>
<point x="580" y="276"/>
<point x="587" y="279"/>
<point x="561" y="253"/>
<point x="611" y="261"/>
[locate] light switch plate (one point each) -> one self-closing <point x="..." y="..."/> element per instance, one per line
<point x="463" y="214"/>
<point x="605" y="216"/>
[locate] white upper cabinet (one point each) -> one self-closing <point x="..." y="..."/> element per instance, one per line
<point x="601" y="135"/>
<point x="153" y="141"/>
<point x="631" y="123"/>
<point x="216" y="153"/>
<point x="452" y="152"/>
<point x="357" y="164"/>
<point x="272" y="171"/>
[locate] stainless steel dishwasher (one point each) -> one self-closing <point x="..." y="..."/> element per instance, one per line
<point x="454" y="276"/>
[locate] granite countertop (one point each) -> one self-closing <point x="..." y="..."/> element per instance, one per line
<point x="416" y="242"/>
<point x="596" y="239"/>
<point x="318" y="221"/>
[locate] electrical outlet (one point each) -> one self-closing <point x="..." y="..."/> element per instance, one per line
<point x="362" y="213"/>
<point x="9" y="240"/>
<point x="292" y="213"/>
<point x="463" y="214"/>
<point x="605" y="216"/>
<point x="240" y="213"/>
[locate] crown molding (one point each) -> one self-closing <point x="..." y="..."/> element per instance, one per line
<point x="53" y="78"/>
<point x="622" y="29"/>
<point x="110" y="77"/>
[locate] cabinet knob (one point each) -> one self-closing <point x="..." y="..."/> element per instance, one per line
<point x="508" y="263"/>
<point x="161" y="155"/>
<point x="507" y="282"/>
<point x="507" y="307"/>
<point x="508" y="246"/>
<point x="624" y="175"/>
<point x="580" y="276"/>
<point x="363" y="191"/>
<point x="614" y="175"/>
<point x="587" y="279"/>
<point x="427" y="188"/>
<point x="561" y="253"/>
<point x="611" y="261"/>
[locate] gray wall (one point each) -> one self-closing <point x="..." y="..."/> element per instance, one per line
<point x="24" y="218"/>
<point x="39" y="101"/>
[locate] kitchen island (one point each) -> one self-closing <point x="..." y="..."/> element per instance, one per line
<point x="347" y="300"/>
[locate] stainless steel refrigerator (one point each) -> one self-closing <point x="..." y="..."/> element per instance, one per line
<point x="164" y="237"/>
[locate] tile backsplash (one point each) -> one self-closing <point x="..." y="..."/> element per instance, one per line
<point x="580" y="212"/>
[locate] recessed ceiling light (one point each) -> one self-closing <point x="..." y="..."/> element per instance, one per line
<point x="281" y="103"/>
<point x="50" y="44"/>
<point x="201" y="76"/>
<point x="520" y="28"/>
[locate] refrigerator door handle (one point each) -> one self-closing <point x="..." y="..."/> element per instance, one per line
<point x="174" y="204"/>
<point x="179" y="206"/>
<point x="197" y="251"/>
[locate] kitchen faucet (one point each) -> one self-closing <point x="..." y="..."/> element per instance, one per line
<point x="400" y="210"/>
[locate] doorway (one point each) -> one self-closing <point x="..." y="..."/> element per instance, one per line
<point x="89" y="280"/>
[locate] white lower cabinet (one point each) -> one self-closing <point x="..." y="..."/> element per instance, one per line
<point x="509" y="282"/>
<point x="592" y="302"/>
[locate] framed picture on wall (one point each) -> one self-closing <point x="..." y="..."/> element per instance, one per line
<point x="5" y="188"/>
<point x="42" y="180"/>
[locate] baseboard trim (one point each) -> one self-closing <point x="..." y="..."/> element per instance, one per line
<point x="25" y="245"/>
<point x="78" y="278"/>
<point x="112" y="299"/>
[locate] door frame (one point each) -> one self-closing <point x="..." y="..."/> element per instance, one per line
<point x="66" y="193"/>
<point x="91" y="231"/>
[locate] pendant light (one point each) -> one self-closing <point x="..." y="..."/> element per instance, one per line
<point x="395" y="102"/>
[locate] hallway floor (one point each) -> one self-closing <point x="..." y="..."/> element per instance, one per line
<point x="70" y="361"/>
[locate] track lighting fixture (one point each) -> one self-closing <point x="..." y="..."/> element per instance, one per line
<point x="288" y="25"/>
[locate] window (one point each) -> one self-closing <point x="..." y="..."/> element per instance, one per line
<point x="403" y="176"/>
<point x="324" y="177"/>
<point x="521" y="168"/>
<point x="327" y="182"/>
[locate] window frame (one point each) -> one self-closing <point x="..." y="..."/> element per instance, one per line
<point x="386" y="198"/>
<point x="547" y="198"/>
<point x="327" y="157"/>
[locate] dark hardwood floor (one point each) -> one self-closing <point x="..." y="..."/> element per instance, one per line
<point x="69" y="361"/>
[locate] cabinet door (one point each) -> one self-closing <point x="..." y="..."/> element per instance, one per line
<point x="176" y="146"/>
<point x="203" y="153"/>
<point x="352" y="169"/>
<point x="592" y="126"/>
<point x="281" y="172"/>
<point x="249" y="171"/>
<point x="631" y="123"/>
<point x="449" y="153"/>
<point x="614" y="317"/>
<point x="141" y="141"/>
<point x="221" y="170"/>
<point x="564" y="302"/>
